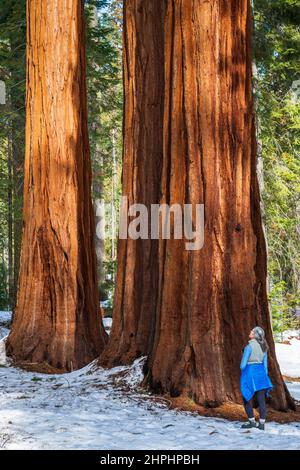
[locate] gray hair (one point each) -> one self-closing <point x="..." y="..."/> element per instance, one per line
<point x="259" y="335"/>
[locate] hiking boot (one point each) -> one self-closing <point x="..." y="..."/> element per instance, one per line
<point x="249" y="425"/>
<point x="261" y="426"/>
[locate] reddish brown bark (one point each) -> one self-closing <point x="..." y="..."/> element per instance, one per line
<point x="57" y="317"/>
<point x="137" y="277"/>
<point x="210" y="299"/>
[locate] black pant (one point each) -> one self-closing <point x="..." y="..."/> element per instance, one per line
<point x="260" y="395"/>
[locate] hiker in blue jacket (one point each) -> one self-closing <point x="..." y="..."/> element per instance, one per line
<point x="254" y="377"/>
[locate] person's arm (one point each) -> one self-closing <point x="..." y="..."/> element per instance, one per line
<point x="265" y="362"/>
<point x="246" y="355"/>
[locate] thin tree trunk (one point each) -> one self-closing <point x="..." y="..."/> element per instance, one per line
<point x="57" y="317"/>
<point x="18" y="162"/>
<point x="98" y="202"/>
<point x="137" y="277"/>
<point x="17" y="123"/>
<point x="99" y="209"/>
<point x="210" y="299"/>
<point x="113" y="196"/>
<point x="10" y="219"/>
<point x="18" y="149"/>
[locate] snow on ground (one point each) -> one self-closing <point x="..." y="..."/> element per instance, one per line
<point x="5" y="319"/>
<point x="289" y="357"/>
<point x="105" y="409"/>
<point x="287" y="335"/>
<point x="107" y="322"/>
<point x="294" y="388"/>
<point x="3" y="332"/>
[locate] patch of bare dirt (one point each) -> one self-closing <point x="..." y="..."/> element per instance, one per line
<point x="232" y="411"/>
<point x="287" y="378"/>
<point x="42" y="368"/>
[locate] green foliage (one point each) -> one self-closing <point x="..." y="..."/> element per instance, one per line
<point x="277" y="46"/>
<point x="105" y="103"/>
<point x="36" y="379"/>
<point x="12" y="141"/>
<point x="283" y="308"/>
<point x="4" y="299"/>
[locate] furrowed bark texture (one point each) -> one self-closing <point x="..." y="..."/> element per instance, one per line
<point x="137" y="277"/>
<point x="210" y="299"/>
<point x="57" y="317"/>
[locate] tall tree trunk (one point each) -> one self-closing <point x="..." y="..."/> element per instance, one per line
<point x="137" y="276"/>
<point x="210" y="299"/>
<point x="99" y="210"/>
<point x="57" y="314"/>
<point x="18" y="163"/>
<point x="113" y="195"/>
<point x="17" y="99"/>
<point x="10" y="219"/>
<point x="97" y="169"/>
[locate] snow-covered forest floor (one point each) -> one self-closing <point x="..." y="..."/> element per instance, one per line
<point x="99" y="409"/>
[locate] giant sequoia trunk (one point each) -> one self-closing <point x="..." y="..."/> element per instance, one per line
<point x="210" y="299"/>
<point x="137" y="277"/>
<point x="57" y="314"/>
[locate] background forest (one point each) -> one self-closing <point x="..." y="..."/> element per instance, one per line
<point x="276" y="69"/>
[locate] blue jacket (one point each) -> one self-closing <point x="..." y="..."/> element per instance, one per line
<point x="254" y="376"/>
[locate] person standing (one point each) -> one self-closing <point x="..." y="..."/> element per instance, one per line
<point x="254" y="377"/>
